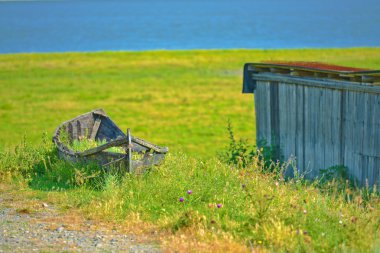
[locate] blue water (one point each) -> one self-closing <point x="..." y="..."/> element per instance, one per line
<point x="56" y="26"/>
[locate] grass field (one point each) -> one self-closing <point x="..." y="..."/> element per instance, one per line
<point x="179" y="99"/>
<point x="183" y="100"/>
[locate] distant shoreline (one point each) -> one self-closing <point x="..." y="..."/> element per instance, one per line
<point x="191" y="50"/>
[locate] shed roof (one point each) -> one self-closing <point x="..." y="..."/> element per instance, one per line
<point x="315" y="70"/>
<point x="315" y="66"/>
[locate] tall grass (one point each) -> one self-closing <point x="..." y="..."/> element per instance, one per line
<point x="248" y="204"/>
<point x="178" y="99"/>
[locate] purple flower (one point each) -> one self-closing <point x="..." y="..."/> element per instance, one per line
<point x="181" y="199"/>
<point x="189" y="192"/>
<point x="219" y="205"/>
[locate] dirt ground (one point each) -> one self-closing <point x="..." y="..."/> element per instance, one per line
<point x="35" y="226"/>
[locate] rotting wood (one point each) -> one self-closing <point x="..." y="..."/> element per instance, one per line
<point x="324" y="122"/>
<point x="95" y="128"/>
<point x="114" y="143"/>
<point x="102" y="128"/>
<point x="311" y="70"/>
<point x="129" y="151"/>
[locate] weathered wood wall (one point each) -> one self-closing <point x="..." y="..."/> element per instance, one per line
<point x="322" y="123"/>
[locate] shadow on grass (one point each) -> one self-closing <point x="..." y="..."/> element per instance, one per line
<point x="54" y="174"/>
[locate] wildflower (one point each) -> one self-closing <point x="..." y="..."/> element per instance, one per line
<point x="189" y="192"/>
<point x="340" y="222"/>
<point x="305" y="211"/>
<point x="181" y="199"/>
<point x="277" y="184"/>
<point x="219" y="205"/>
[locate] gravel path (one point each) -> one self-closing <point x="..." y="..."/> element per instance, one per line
<point x="46" y="230"/>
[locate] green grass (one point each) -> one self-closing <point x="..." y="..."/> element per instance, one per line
<point x="179" y="99"/>
<point x="257" y="208"/>
<point x="85" y="144"/>
<point x="183" y="100"/>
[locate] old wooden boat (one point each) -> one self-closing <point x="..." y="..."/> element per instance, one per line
<point x="98" y="127"/>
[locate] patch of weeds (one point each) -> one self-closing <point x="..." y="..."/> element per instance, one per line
<point x="238" y="153"/>
<point x="83" y="143"/>
<point x="21" y="160"/>
<point x="62" y="175"/>
<point x="338" y="172"/>
<point x="241" y="154"/>
<point x="336" y="181"/>
<point x="41" y="168"/>
<point x="190" y="219"/>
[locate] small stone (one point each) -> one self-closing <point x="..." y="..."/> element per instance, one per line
<point x="45" y="205"/>
<point x="60" y="229"/>
<point x="98" y="245"/>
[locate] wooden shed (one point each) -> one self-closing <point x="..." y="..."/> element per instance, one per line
<point x="323" y="115"/>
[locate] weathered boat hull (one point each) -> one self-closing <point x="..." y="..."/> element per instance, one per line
<point x="97" y="126"/>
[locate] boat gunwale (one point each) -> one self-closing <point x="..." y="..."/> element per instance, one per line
<point x="70" y="152"/>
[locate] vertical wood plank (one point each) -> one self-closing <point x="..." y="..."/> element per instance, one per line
<point x="367" y="169"/>
<point x="258" y="120"/>
<point x="79" y="129"/>
<point x="330" y="108"/>
<point x="376" y="134"/>
<point x="321" y="134"/>
<point x="289" y="120"/>
<point x="259" y="111"/>
<point x="309" y="146"/>
<point x="349" y="112"/>
<point x="335" y="130"/>
<point x="300" y="119"/>
<point x="75" y="130"/>
<point x="293" y="122"/>
<point x="274" y="119"/>
<point x="268" y="113"/>
<point x="314" y="112"/>
<point x="362" y="162"/>
<point x="283" y="118"/>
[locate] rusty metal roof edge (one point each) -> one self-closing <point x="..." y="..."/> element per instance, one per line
<point x="363" y="77"/>
<point x="290" y="66"/>
<point x="313" y="82"/>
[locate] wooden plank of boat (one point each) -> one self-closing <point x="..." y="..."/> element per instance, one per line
<point x="97" y="126"/>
